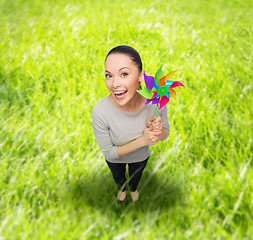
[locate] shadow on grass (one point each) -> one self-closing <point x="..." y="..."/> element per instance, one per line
<point x="98" y="191"/>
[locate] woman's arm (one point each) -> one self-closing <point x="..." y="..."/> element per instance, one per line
<point x="110" y="151"/>
<point x="130" y="147"/>
<point x="102" y="135"/>
<point x="163" y="135"/>
<point x="148" y="138"/>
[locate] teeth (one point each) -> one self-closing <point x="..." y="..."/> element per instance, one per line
<point x="119" y="92"/>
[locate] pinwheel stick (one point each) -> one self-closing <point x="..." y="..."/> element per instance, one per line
<point x="156" y="110"/>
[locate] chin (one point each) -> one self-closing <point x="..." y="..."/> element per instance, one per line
<point x="123" y="101"/>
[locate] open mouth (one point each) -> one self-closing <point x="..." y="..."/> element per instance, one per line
<point x="120" y="94"/>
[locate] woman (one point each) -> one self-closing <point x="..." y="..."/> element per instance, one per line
<point x="123" y="126"/>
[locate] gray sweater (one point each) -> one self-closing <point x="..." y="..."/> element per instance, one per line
<point x="113" y="127"/>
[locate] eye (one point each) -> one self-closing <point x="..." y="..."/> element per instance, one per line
<point x="108" y="75"/>
<point x="124" y="74"/>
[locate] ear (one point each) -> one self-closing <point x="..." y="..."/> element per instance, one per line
<point x="141" y="76"/>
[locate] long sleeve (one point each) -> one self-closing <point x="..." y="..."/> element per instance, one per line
<point x="113" y="128"/>
<point x="164" y="116"/>
<point x="102" y="136"/>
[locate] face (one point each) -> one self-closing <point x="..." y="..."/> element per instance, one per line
<point x="122" y="78"/>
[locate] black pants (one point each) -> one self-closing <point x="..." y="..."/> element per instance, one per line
<point x="135" y="172"/>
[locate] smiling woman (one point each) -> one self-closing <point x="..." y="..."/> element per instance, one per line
<point x="122" y="80"/>
<point x="123" y="126"/>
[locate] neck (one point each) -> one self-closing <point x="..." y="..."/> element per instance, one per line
<point x="134" y="105"/>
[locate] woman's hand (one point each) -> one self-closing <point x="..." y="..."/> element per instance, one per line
<point x="150" y="137"/>
<point x="155" y="124"/>
<point x="149" y="122"/>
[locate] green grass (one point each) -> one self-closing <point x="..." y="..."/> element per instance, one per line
<point x="54" y="182"/>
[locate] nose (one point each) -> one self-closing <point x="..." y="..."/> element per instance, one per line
<point x="116" y="82"/>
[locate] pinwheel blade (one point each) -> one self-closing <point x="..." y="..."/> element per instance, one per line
<point x="156" y="86"/>
<point x="162" y="81"/>
<point x="163" y="101"/>
<point x="159" y="75"/>
<point x="152" y="101"/>
<point x="176" y="84"/>
<point x="155" y="95"/>
<point x="168" y="83"/>
<point x="145" y="92"/>
<point x="149" y="81"/>
<point x="156" y="100"/>
<point x="173" y="95"/>
<point x="148" y="102"/>
<point x="170" y="75"/>
<point x="171" y="89"/>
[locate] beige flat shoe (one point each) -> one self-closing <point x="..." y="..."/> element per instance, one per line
<point x="135" y="196"/>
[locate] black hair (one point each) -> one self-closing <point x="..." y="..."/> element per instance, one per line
<point x="131" y="52"/>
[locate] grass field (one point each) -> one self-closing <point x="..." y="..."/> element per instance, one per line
<point x="54" y="182"/>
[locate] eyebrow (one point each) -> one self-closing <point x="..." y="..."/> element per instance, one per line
<point x="124" y="67"/>
<point x="119" y="69"/>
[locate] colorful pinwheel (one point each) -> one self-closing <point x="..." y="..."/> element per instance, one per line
<point x="159" y="89"/>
